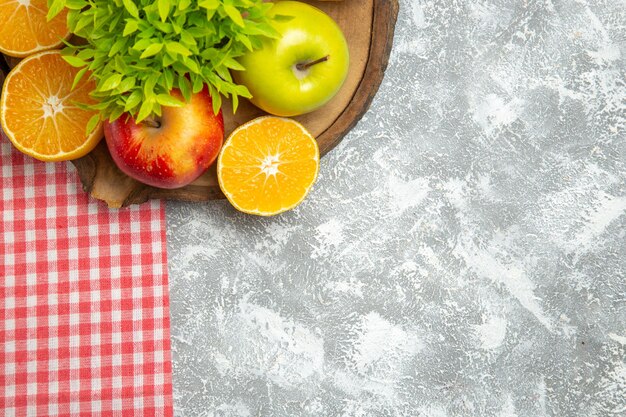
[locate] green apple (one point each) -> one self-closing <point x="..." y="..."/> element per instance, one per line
<point x="303" y="68"/>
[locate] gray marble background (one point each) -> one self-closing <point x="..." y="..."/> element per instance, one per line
<point x="463" y="252"/>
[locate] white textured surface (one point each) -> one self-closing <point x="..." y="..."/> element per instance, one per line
<point x="463" y="252"/>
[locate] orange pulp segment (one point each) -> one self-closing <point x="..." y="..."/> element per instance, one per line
<point x="38" y="109"/>
<point x="25" y="29"/>
<point x="268" y="165"/>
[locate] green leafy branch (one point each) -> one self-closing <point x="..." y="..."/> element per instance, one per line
<point x="138" y="51"/>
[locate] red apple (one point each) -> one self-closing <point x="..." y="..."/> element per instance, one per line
<point x="172" y="150"/>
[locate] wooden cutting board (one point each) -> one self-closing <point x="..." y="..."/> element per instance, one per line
<point x="368" y="26"/>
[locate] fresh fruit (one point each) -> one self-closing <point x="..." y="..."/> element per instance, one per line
<point x="38" y="109"/>
<point x="268" y="165"/>
<point x="302" y="69"/>
<point x="25" y="29"/>
<point x="171" y="150"/>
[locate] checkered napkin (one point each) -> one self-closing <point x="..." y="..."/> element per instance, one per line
<point x="84" y="308"/>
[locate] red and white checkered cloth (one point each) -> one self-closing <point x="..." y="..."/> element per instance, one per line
<point x="84" y="305"/>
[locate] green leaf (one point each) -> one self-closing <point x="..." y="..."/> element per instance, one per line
<point x="168" y="77"/>
<point x="168" y="60"/>
<point x="177" y="48"/>
<point x="116" y="112"/>
<point x="242" y="91"/>
<point x="130" y="6"/>
<point x="111" y="82"/>
<point x="145" y="110"/>
<point x="133" y="100"/>
<point x="55" y="8"/>
<point x="167" y="100"/>
<point x="142" y="44"/>
<point x="234" y="14"/>
<point x="156" y="109"/>
<point x="232" y="64"/>
<point x="75" y="4"/>
<point x="235" y="100"/>
<point x="163" y="27"/>
<point x="198" y="84"/>
<point x="192" y="65"/>
<point x="126" y="85"/>
<point x="82" y="23"/>
<point x="149" y="84"/>
<point x="83" y="54"/>
<point x="185" y="88"/>
<point x="117" y="46"/>
<point x="151" y="50"/>
<point x="217" y="103"/>
<point x="164" y="9"/>
<point x="79" y="75"/>
<point x="209" y="4"/>
<point x="74" y="61"/>
<point x="92" y="123"/>
<point x="131" y="27"/>
<point x="187" y="38"/>
<point x="245" y="40"/>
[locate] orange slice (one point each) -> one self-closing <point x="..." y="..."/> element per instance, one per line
<point x="26" y="30"/>
<point x="38" y="109"/>
<point x="268" y="165"/>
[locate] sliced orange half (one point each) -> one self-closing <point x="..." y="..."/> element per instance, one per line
<point x="268" y="165"/>
<point x="25" y="29"/>
<point x="39" y="111"/>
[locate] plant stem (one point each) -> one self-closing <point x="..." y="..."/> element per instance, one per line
<point x="304" y="67"/>
<point x="151" y="122"/>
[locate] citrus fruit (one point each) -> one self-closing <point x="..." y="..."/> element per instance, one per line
<point x="25" y="28"/>
<point x="39" y="111"/>
<point x="268" y="165"/>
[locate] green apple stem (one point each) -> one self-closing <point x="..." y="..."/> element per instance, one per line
<point x="304" y="67"/>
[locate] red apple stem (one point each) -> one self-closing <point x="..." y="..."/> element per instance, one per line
<point x="304" y="67"/>
<point x="152" y="122"/>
